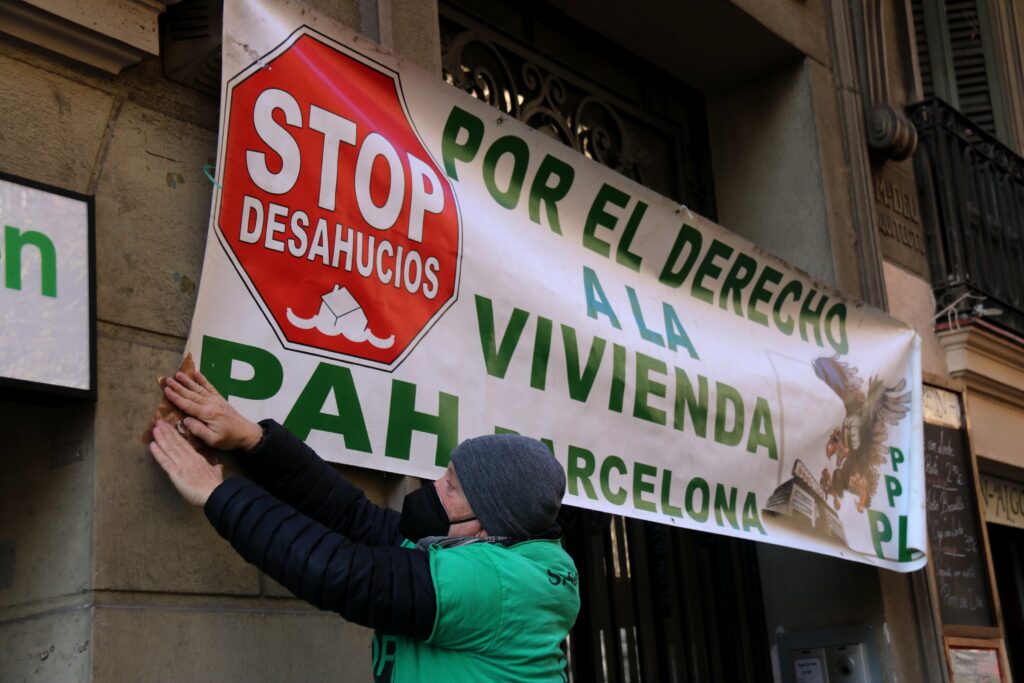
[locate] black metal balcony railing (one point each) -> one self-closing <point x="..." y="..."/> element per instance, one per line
<point x="971" y="189"/>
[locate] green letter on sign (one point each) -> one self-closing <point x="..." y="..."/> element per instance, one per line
<point x="404" y="419"/>
<point x="550" y="195"/>
<point x="219" y="355"/>
<point x="307" y="413"/>
<point x="597" y="300"/>
<point x="451" y="149"/>
<point x="14" y="242"/>
<point x="580" y="470"/>
<point x="497" y="356"/>
<point x="612" y="462"/>
<point x="896" y="455"/>
<point x="881" y="531"/>
<point x="519" y="152"/>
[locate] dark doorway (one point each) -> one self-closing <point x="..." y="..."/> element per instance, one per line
<point x="659" y="604"/>
<point x="664" y="604"/>
<point x="1007" y="547"/>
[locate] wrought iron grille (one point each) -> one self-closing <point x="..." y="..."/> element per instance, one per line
<point x="972" y="198"/>
<point x="660" y="152"/>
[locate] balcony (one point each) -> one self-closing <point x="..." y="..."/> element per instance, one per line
<point x="971" y="189"/>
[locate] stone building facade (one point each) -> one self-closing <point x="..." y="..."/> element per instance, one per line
<point x="793" y="132"/>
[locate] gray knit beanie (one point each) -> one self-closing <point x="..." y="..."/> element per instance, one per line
<point x="514" y="484"/>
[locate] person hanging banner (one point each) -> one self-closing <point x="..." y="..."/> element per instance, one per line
<point x="393" y="266"/>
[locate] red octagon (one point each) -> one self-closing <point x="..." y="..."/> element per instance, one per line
<point x="344" y="228"/>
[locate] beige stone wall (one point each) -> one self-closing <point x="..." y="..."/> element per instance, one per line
<point x="911" y="300"/>
<point x="768" y="180"/>
<point x="105" y="573"/>
<point x="997" y="428"/>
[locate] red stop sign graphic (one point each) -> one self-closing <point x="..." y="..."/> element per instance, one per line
<point x="343" y="226"/>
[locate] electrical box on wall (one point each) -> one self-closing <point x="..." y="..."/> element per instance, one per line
<point x="835" y="655"/>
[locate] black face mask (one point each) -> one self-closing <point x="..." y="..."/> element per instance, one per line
<point x="423" y="515"/>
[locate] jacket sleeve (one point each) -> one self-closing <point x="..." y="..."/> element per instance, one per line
<point x="385" y="588"/>
<point x="293" y="472"/>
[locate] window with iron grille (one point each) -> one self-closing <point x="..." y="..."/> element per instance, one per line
<point x="616" y="110"/>
<point x="658" y="603"/>
<point x="971" y="181"/>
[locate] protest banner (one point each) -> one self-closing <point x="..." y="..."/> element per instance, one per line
<point x="393" y="266"/>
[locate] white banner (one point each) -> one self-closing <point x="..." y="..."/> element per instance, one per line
<point x="394" y="266"/>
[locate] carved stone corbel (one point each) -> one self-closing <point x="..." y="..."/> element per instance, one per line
<point x="890" y="133"/>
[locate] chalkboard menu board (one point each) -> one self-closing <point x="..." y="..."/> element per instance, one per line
<point x="954" y="530"/>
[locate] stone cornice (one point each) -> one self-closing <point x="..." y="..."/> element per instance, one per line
<point x="987" y="359"/>
<point x="106" y="34"/>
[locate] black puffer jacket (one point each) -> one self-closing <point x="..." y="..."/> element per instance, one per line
<point x="319" y="537"/>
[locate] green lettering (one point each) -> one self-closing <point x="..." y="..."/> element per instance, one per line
<point x="812" y="316"/>
<point x="726" y="396"/>
<point x="218" y="358"/>
<point x="613" y="462"/>
<point x="642" y="486"/>
<point x="617" y="393"/>
<point x="638" y="315"/>
<point x="689" y="239"/>
<point x="761" y="294"/>
<point x="881" y="531"/>
<point x="520" y="152"/>
<point x="598" y="217"/>
<point x="725" y="505"/>
<point x="597" y="301"/>
<point x="580" y="383"/>
<point x="762" y="432"/>
<point x="550" y="195"/>
<point x="497" y="357"/>
<point x="893" y="489"/>
<point x="541" y="353"/>
<point x="666" y="488"/>
<point x="792" y="289"/>
<point x="675" y="333"/>
<point x="384" y="652"/>
<point x="708" y="268"/>
<point x="307" y="413"/>
<point x="404" y="419"/>
<point x="645" y="386"/>
<point x="623" y="255"/>
<point x="751" y="517"/>
<point x="687" y="401"/>
<point x="699" y="515"/>
<point x="459" y="121"/>
<point x="580" y="468"/>
<point x="842" y="344"/>
<point x="16" y="240"/>
<point x="897" y="458"/>
<point x="904" y="551"/>
<point x="738" y="277"/>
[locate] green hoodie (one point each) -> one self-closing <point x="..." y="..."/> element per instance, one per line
<point x="502" y="614"/>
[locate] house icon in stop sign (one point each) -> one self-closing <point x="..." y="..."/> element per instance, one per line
<point x="332" y="209"/>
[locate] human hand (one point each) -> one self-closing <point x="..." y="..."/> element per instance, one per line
<point x="192" y="474"/>
<point x="211" y="417"/>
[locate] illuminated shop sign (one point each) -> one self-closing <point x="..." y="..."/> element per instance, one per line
<point x="47" y="292"/>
